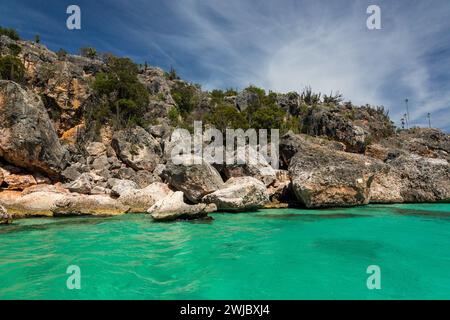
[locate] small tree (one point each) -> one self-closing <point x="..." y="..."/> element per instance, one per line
<point x="11" y="68"/>
<point x="9" y="32"/>
<point x="37" y="38"/>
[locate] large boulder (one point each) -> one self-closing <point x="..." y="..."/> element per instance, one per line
<point x="120" y="186"/>
<point x="325" y="178"/>
<point x="27" y="136"/>
<point x="173" y="207"/>
<point x="193" y="176"/>
<point x="418" y="179"/>
<point x="251" y="164"/>
<point x="239" y="194"/>
<point x="39" y="203"/>
<point x="84" y="184"/>
<point x="97" y="205"/>
<point x="137" y="148"/>
<point x="139" y="200"/>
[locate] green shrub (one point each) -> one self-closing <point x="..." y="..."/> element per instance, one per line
<point x="174" y="116"/>
<point x="309" y="97"/>
<point x="15" y="49"/>
<point x="11" y="68"/>
<point x="185" y="96"/>
<point x="9" y="32"/>
<point x="333" y="98"/>
<point x="37" y="38"/>
<point x="268" y="117"/>
<point x="226" y="116"/>
<point x="230" y="93"/>
<point x="126" y="97"/>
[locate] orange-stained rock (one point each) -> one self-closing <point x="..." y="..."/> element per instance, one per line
<point x="19" y="181"/>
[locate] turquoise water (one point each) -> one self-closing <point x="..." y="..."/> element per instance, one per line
<point x="269" y="254"/>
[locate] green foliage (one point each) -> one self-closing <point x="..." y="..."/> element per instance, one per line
<point x="309" y="97"/>
<point x="9" y="32"/>
<point x="226" y="116"/>
<point x="185" y="96"/>
<point x="37" y="38"/>
<point x="268" y="117"/>
<point x="259" y="91"/>
<point x="332" y="99"/>
<point x="230" y="92"/>
<point x="15" y="49"/>
<point x="126" y="98"/>
<point x="174" y="116"/>
<point x="11" y="68"/>
<point x="88" y="52"/>
<point x="217" y="96"/>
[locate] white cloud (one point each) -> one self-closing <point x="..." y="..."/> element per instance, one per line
<point x="286" y="45"/>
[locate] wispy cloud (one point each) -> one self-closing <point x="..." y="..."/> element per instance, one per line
<point x="281" y="45"/>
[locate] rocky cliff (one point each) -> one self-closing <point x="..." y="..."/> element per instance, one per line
<point x="62" y="150"/>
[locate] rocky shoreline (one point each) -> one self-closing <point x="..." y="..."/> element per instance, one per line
<point x="51" y="163"/>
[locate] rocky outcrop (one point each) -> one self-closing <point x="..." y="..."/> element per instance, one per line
<point x="27" y="137"/>
<point x="137" y="148"/>
<point x="194" y="180"/>
<point x="413" y="178"/>
<point x="42" y="203"/>
<point x="252" y="164"/>
<point x="5" y="217"/>
<point x="239" y="194"/>
<point x="355" y="127"/>
<point x="173" y="207"/>
<point x="96" y="205"/>
<point x="324" y="178"/>
<point x="139" y="200"/>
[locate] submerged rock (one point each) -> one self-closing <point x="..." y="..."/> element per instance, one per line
<point x="173" y="207"/>
<point x="239" y="194"/>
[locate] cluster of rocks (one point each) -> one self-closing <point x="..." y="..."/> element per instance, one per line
<point x="350" y="156"/>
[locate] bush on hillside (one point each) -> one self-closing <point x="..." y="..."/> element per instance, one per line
<point x="125" y="96"/>
<point x="9" y="32"/>
<point x="11" y="68"/>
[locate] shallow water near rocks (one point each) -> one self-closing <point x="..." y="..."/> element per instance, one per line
<point x="269" y="254"/>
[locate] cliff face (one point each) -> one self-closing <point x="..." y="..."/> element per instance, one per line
<point x="345" y="155"/>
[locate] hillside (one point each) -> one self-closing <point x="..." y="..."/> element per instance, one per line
<point x="91" y="134"/>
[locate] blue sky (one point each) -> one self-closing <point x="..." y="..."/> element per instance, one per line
<point x="282" y="45"/>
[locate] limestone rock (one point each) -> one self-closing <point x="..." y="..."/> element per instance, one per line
<point x="173" y="207"/>
<point x="97" y="205"/>
<point x="194" y="180"/>
<point x="239" y="194"/>
<point x="140" y="200"/>
<point x="119" y="187"/>
<point x="325" y="178"/>
<point x="27" y="136"/>
<point x="19" y="181"/>
<point x="137" y="148"/>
